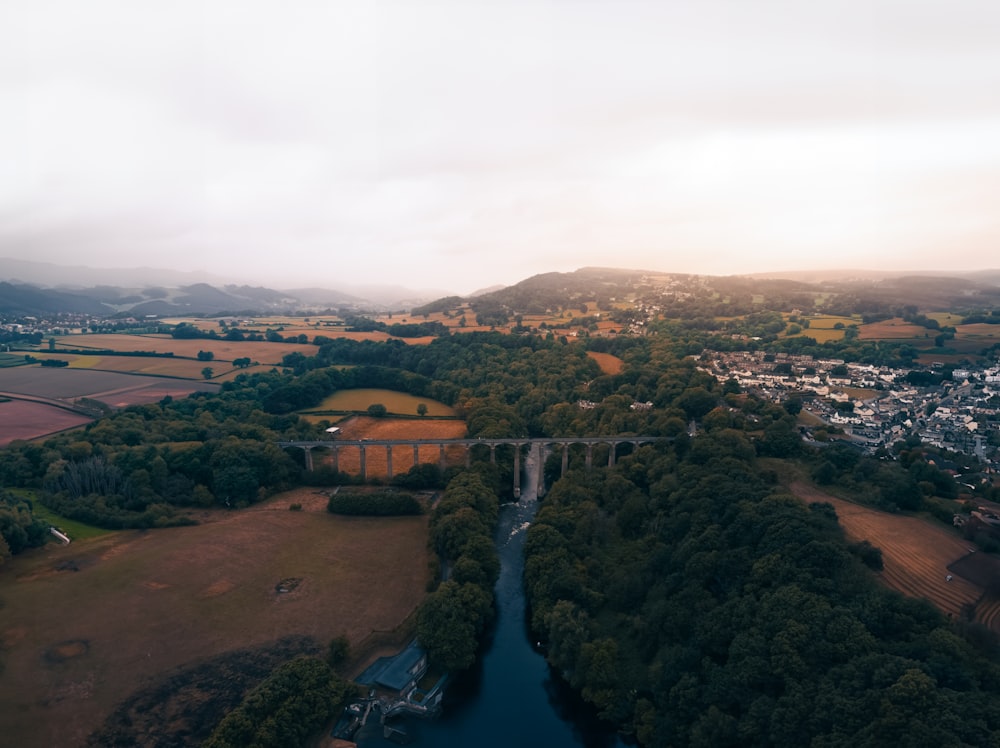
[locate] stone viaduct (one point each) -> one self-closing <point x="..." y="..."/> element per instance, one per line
<point x="538" y="445"/>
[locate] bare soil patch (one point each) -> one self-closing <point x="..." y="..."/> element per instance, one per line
<point x="153" y="603"/>
<point x="916" y="554"/>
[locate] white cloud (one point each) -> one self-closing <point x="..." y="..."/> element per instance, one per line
<point x="467" y="143"/>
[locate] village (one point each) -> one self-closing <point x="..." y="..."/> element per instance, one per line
<point x="876" y="406"/>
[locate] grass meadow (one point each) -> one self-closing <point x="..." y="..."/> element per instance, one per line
<point x="75" y="530"/>
<point x="822" y="327"/>
<point x="946" y="319"/>
<point x="83" y="626"/>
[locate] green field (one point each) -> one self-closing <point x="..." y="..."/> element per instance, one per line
<point x="946" y="319"/>
<point x="11" y="359"/>
<point x="75" y="530"/>
<point x="827" y="321"/>
<point x="397" y="403"/>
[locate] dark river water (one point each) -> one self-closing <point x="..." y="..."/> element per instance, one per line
<point x="512" y="699"/>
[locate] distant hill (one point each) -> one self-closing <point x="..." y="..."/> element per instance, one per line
<point x="29" y="300"/>
<point x="855" y="275"/>
<point x="538" y="293"/>
<point x="50" y="275"/>
<point x="46" y="288"/>
<point x="685" y="295"/>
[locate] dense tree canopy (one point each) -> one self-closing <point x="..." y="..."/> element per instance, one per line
<point x="19" y="528"/>
<point x="454" y="616"/>
<point x="694" y="603"/>
<point x="287" y="709"/>
<point x="681" y="591"/>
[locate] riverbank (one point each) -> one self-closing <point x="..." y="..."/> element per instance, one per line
<point x="511" y="697"/>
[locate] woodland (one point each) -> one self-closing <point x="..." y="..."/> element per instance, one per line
<point x="683" y="591"/>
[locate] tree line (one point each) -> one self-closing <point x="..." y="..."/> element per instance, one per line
<point x="454" y="616"/>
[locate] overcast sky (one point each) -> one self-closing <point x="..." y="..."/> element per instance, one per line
<point x="457" y="145"/>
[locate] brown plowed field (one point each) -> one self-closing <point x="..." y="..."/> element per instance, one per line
<point x="224" y="350"/>
<point x="609" y="364"/>
<point x="69" y="384"/>
<point x="20" y="419"/>
<point x="988" y="612"/>
<point x="23" y="420"/>
<point x="916" y="553"/>
<point x="376" y="465"/>
<point x="85" y="625"/>
<point x="893" y="329"/>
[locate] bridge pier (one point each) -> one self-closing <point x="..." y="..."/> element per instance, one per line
<point x="517" y="471"/>
<point x="540" y="488"/>
<point x="539" y="447"/>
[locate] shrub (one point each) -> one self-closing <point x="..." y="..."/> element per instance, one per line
<point x="378" y="504"/>
<point x="869" y="554"/>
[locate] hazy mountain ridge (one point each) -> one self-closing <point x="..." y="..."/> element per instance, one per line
<point x="855" y="275"/>
<point x="43" y="288"/>
<point x="30" y="300"/>
<point x="535" y="294"/>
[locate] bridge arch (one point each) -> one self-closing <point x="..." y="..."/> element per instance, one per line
<point x="538" y="444"/>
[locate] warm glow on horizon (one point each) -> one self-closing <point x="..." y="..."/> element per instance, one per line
<point x="464" y="144"/>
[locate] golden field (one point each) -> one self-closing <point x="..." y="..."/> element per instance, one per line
<point x="398" y="403"/>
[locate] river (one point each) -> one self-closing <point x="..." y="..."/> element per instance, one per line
<point x="512" y="698"/>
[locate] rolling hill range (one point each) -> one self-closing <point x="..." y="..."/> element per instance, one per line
<point x="36" y="289"/>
